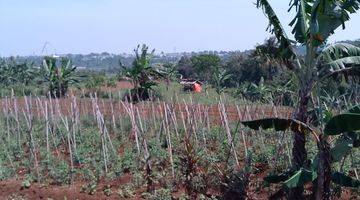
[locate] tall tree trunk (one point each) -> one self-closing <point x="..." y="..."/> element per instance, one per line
<point x="299" y="153"/>
<point x="322" y="183"/>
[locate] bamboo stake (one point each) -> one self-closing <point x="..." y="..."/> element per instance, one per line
<point x="167" y="131"/>
<point x="230" y="140"/>
<point x="66" y="124"/>
<point x="112" y="113"/>
<point x="242" y="133"/>
<point x="44" y="111"/>
<point x="29" y="122"/>
<point x="133" y="125"/>
<point x="16" y="114"/>
<point x="7" y="116"/>
<point x="173" y="118"/>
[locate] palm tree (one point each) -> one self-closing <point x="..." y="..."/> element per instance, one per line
<point x="344" y="126"/>
<point x="314" y="22"/>
<point x="58" y="77"/>
<point x="142" y="74"/>
<point x="13" y="72"/>
<point x="219" y="80"/>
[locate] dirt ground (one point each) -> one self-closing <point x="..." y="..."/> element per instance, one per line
<point x="12" y="190"/>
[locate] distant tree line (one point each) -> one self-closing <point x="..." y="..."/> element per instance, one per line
<point x="250" y="66"/>
<point x="258" y="74"/>
<point x="262" y="75"/>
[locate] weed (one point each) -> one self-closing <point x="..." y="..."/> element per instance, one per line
<point x="126" y="191"/>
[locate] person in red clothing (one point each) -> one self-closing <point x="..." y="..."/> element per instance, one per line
<point x="197" y="87"/>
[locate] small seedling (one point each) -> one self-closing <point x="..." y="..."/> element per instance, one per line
<point x="26" y="183"/>
<point x="107" y="190"/>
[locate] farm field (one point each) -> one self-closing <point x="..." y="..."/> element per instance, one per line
<point x="215" y="108"/>
<point x="91" y="148"/>
<point x="96" y="145"/>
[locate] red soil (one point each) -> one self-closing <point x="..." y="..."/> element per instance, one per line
<point x="147" y="109"/>
<point x="12" y="189"/>
<point x="119" y="85"/>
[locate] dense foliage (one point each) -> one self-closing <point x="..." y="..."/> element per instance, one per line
<point x="58" y="76"/>
<point x="13" y="72"/>
<point x="314" y="22"/>
<point x="142" y="74"/>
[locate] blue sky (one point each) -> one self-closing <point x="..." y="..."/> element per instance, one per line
<point x="116" y="26"/>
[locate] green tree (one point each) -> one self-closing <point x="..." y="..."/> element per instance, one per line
<point x="184" y="67"/>
<point x="142" y="74"/>
<point x="13" y="72"/>
<point x="314" y="22"/>
<point x="344" y="125"/>
<point x="205" y="65"/>
<point x="262" y="62"/>
<point x="258" y="92"/>
<point x="269" y="56"/>
<point x="219" y="80"/>
<point x="59" y="77"/>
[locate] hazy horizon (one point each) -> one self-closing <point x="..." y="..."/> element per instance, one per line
<point x="94" y="26"/>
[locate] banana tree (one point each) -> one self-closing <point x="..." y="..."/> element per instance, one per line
<point x="58" y="77"/>
<point x="13" y="72"/>
<point x="344" y="126"/>
<point x="142" y="74"/>
<point x="219" y="80"/>
<point x="315" y="21"/>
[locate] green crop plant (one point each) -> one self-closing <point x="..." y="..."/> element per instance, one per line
<point x="314" y="22"/>
<point x="319" y="170"/>
<point x="219" y="79"/>
<point x="142" y="74"/>
<point x="58" y="77"/>
<point x="12" y="72"/>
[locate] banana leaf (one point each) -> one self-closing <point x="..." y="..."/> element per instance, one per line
<point x="342" y="147"/>
<point x="300" y="178"/>
<point x="347" y="122"/>
<point x="279" y="124"/>
<point x="355" y="110"/>
<point x="344" y="180"/>
<point x="277" y="178"/>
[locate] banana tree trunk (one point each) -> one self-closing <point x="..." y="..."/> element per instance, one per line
<point x="299" y="153"/>
<point x="322" y="184"/>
